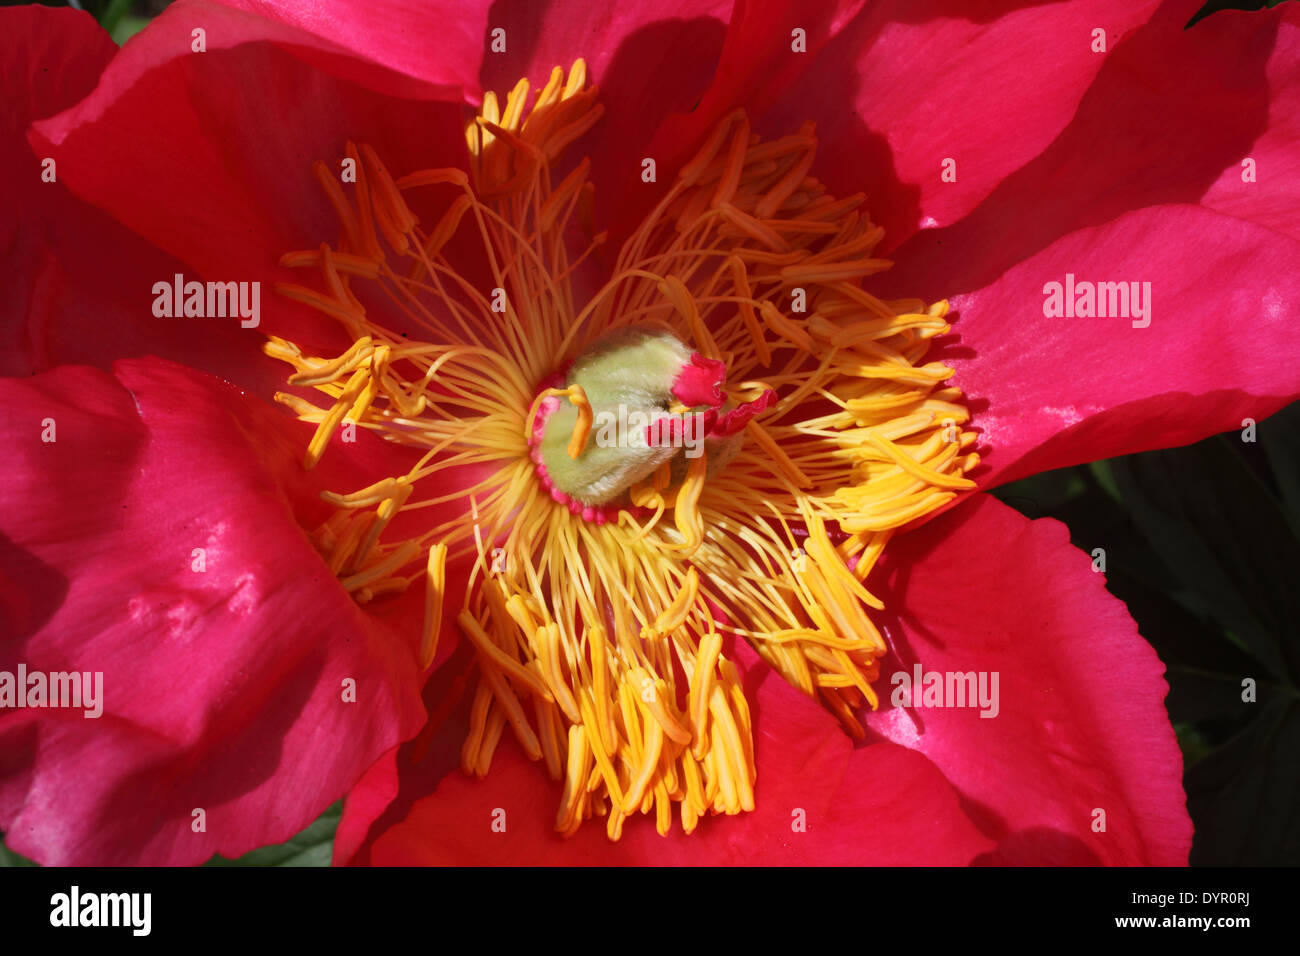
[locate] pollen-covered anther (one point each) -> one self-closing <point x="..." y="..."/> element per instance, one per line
<point x="508" y="148"/>
<point x="715" y="447"/>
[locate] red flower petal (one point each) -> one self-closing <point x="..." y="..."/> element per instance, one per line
<point x="77" y="283"/>
<point x="209" y="156"/>
<point x="1080" y="724"/>
<point x="650" y="61"/>
<point x="755" y="64"/>
<point x="1209" y="86"/>
<point x="438" y="42"/>
<point x="364" y="804"/>
<point x="1051" y="392"/>
<point x="880" y="805"/>
<point x="643" y="56"/>
<point x="913" y="85"/>
<point x="52" y="58"/>
<point x="222" y="689"/>
<point x="1274" y="197"/>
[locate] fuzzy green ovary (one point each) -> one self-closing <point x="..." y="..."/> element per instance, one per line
<point x="601" y="473"/>
<point x="634" y="368"/>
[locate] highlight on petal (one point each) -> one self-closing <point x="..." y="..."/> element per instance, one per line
<point x="1076" y="761"/>
<point x="437" y="42"/>
<point x="154" y="524"/>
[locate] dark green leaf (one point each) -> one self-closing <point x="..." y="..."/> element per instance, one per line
<point x="1214" y="6"/>
<point x="1245" y="797"/>
<point x="1043" y="494"/>
<point x="1279" y="438"/>
<point x="1222" y="533"/>
<point x="312" y="847"/>
<point x="114" y="11"/>
<point x="9" y="858"/>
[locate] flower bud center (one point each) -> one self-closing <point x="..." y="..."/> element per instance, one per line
<point x="638" y="406"/>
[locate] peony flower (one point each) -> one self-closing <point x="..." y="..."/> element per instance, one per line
<point x="650" y="443"/>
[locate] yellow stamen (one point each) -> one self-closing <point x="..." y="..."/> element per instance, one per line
<point x="577" y="397"/>
<point x="675" y="615"/>
<point x="434" y="595"/>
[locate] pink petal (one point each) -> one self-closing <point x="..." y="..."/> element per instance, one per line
<point x="756" y="63"/>
<point x="1080" y="724"/>
<point x="222" y="689"/>
<point x="1210" y="88"/>
<point x="77" y="284"/>
<point x="52" y="59"/>
<point x="364" y="804"/>
<point x="1051" y="392"/>
<point x="209" y="156"/>
<point x="907" y="86"/>
<point x="437" y="42"/>
<point x="648" y="59"/>
<point x="1273" y="198"/>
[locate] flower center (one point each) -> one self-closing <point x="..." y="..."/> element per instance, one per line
<point x="738" y="429"/>
<point x="650" y="403"/>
